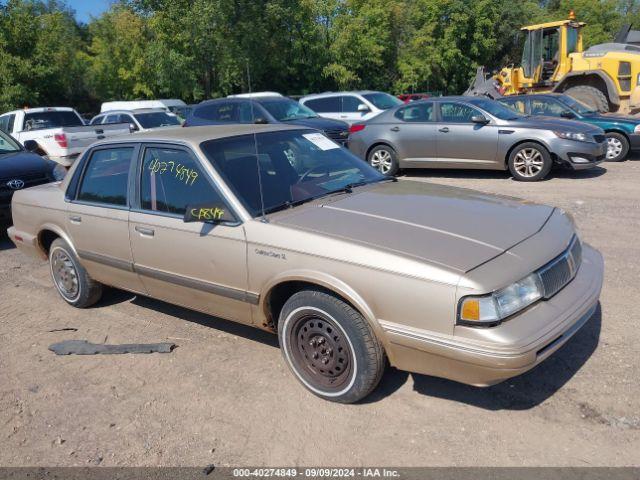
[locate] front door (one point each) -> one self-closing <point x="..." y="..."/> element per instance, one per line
<point x="197" y="265"/>
<point x="98" y="216"/>
<point x="463" y="143"/>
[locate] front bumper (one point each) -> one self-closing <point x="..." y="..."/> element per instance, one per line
<point x="579" y="155"/>
<point x="482" y="363"/>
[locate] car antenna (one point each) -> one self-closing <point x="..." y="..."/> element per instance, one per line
<point x="255" y="147"/>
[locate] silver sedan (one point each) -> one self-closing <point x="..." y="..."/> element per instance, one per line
<point x="475" y="133"/>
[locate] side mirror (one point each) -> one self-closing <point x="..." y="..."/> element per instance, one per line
<point x="133" y="128"/>
<point x="567" y="114"/>
<point x="208" y="213"/>
<point x="481" y="119"/>
<point x="31" y="146"/>
<point x="261" y="121"/>
<point x="362" y="108"/>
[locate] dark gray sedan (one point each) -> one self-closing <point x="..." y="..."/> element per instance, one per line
<point x="478" y="133"/>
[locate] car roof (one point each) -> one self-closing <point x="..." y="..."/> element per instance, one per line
<point x="135" y="110"/>
<point x="197" y="135"/>
<point x="41" y="109"/>
<point x="334" y="94"/>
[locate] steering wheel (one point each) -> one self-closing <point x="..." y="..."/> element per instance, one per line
<point x="304" y="176"/>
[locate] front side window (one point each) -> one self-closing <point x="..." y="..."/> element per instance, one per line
<point x="457" y="112"/>
<point x="155" y="119"/>
<point x="171" y="179"/>
<point x="350" y="104"/>
<point x="97" y="120"/>
<point x="106" y="177"/>
<point x="418" y="112"/>
<point x="51" y="119"/>
<point x="495" y="108"/>
<point x="290" y="167"/>
<point x="324" y="105"/>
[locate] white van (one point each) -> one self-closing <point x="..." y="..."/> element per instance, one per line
<point x="168" y="104"/>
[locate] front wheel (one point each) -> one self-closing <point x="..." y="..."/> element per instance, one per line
<point x="384" y="159"/>
<point x="617" y="147"/>
<point x="529" y="162"/>
<point x="330" y="347"/>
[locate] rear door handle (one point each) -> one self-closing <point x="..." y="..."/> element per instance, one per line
<point x="395" y="129"/>
<point x="444" y="130"/>
<point x="148" y="232"/>
<point x="75" y="218"/>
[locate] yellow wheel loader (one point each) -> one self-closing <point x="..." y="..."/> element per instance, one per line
<point x="605" y="77"/>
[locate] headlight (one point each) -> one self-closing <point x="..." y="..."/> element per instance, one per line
<point x="637" y="129"/>
<point x="58" y="173"/>
<point x="491" y="309"/>
<point x="580" y="137"/>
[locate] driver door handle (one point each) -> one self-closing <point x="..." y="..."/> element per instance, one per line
<point x="395" y="129"/>
<point x="444" y="129"/>
<point x="147" y="232"/>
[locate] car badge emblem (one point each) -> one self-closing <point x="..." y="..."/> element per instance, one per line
<point x="15" y="184"/>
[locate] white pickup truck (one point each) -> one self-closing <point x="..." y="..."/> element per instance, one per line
<point x="58" y="133"/>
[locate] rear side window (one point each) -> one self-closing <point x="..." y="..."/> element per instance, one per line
<point x="218" y="112"/>
<point x="172" y="179"/>
<point x="421" y="112"/>
<point x="97" y="120"/>
<point x="324" y="105"/>
<point x="52" y="119"/>
<point x="106" y="177"/>
<point x="549" y="108"/>
<point x="6" y="123"/>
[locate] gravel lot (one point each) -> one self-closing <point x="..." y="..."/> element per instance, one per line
<point x="226" y="397"/>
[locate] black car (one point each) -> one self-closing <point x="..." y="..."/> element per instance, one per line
<point x="267" y="109"/>
<point x="21" y="169"/>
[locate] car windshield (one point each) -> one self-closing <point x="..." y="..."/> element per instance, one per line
<point x="576" y="105"/>
<point x="51" y="119"/>
<point x="284" y="109"/>
<point x="7" y="144"/>
<point x="295" y="166"/>
<point x="383" y="101"/>
<point x="496" y="109"/>
<point x="157" y="119"/>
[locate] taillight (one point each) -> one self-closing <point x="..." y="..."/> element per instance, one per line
<point x="61" y="139"/>
<point x="356" y="127"/>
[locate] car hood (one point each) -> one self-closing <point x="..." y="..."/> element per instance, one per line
<point x="22" y="163"/>
<point x="552" y="123"/>
<point x="319" y="123"/>
<point x="451" y="227"/>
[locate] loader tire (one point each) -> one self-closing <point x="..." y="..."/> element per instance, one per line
<point x="591" y="96"/>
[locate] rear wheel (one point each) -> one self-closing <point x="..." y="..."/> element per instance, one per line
<point x="384" y="159"/>
<point x="617" y="147"/>
<point x="330" y="347"/>
<point x="591" y="96"/>
<point x="529" y="162"/>
<point x="73" y="282"/>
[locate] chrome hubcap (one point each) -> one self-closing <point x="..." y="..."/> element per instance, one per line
<point x="64" y="274"/>
<point x="382" y="161"/>
<point x="614" y="148"/>
<point x="528" y="162"/>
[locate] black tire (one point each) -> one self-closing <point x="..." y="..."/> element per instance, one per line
<point x="617" y="147"/>
<point x="589" y="95"/>
<point x="72" y="281"/>
<point x="539" y="166"/>
<point x="330" y="347"/>
<point x="384" y="159"/>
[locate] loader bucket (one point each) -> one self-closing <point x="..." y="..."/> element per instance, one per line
<point x="483" y="86"/>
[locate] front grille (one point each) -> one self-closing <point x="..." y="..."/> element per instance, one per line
<point x="30" y="180"/>
<point x="561" y="270"/>
<point x="599" y="138"/>
<point x="339" y="135"/>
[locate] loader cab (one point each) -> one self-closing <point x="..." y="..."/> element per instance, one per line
<point x="545" y="57"/>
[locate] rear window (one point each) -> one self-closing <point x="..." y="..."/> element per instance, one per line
<point x="106" y="177"/>
<point x="52" y="119"/>
<point x="383" y="101"/>
<point x="157" y="119"/>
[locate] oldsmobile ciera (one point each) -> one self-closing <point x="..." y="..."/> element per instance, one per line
<point x="280" y="228"/>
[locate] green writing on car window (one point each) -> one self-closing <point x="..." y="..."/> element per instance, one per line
<point x="207" y="213"/>
<point x="182" y="173"/>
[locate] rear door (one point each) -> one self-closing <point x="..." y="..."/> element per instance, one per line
<point x="462" y="143"/>
<point x="98" y="215"/>
<point x="198" y="265"/>
<point x="416" y="134"/>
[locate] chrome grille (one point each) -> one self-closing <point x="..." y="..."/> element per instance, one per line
<point x="339" y="135"/>
<point x="561" y="270"/>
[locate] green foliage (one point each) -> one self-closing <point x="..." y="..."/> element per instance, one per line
<point x="197" y="49"/>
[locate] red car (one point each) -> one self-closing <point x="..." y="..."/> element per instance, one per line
<point x="412" y="97"/>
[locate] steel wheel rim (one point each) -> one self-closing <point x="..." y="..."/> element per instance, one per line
<point x="64" y="274"/>
<point x="321" y="351"/>
<point x="382" y="161"/>
<point x="614" y="147"/>
<point x="528" y="162"/>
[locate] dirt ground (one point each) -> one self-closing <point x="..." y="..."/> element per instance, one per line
<point x="226" y="397"/>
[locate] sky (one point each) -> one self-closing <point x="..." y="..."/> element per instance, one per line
<point x="85" y="9"/>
